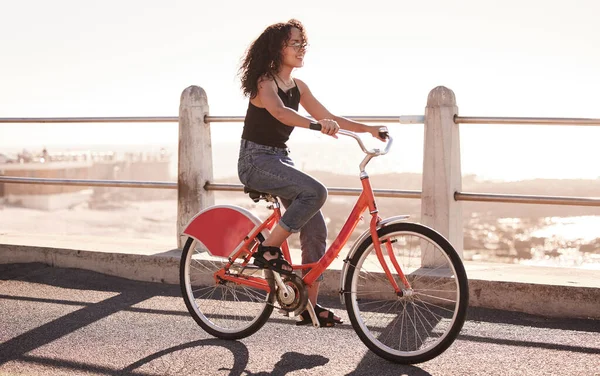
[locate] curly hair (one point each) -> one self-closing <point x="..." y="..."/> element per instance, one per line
<point x="264" y="54"/>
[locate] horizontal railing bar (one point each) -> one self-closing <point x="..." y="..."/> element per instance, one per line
<point x="336" y="191"/>
<point x="525" y="199"/>
<point x="403" y="119"/>
<point x="393" y="193"/>
<point x="173" y="185"/>
<point x="138" y="119"/>
<point x="90" y="183"/>
<point x="524" y="120"/>
<point x="223" y="119"/>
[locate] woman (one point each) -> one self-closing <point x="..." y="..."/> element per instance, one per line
<point x="264" y="163"/>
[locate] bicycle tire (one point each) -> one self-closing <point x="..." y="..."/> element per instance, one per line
<point x="220" y="318"/>
<point x="436" y="318"/>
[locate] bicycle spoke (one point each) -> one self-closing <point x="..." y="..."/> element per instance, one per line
<point x="437" y="298"/>
<point x="373" y="302"/>
<point x="390" y="330"/>
<point x="435" y="305"/>
<point x="210" y="289"/>
<point x="437" y="317"/>
<point x="421" y="315"/>
<point x="402" y="325"/>
<point x="254" y="295"/>
<point x="437" y="290"/>
<point x="372" y="314"/>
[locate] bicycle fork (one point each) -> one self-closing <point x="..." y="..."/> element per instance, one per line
<point x="406" y="290"/>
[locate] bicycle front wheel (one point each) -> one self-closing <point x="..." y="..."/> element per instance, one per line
<point x="225" y="309"/>
<point x="424" y="321"/>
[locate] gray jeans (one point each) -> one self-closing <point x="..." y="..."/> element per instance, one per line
<point x="270" y="169"/>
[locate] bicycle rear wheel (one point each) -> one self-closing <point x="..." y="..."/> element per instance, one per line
<point x="422" y="323"/>
<point x="225" y="309"/>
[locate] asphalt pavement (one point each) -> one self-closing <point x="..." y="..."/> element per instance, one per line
<point x="58" y="321"/>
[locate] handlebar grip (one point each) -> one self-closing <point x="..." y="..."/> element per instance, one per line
<point x="384" y="134"/>
<point x="315" y="126"/>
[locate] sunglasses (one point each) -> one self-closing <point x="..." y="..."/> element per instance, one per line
<point x="298" y="45"/>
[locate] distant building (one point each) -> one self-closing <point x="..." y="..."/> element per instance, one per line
<point x="79" y="166"/>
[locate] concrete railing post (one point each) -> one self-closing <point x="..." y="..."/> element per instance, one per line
<point x="195" y="167"/>
<point x="441" y="168"/>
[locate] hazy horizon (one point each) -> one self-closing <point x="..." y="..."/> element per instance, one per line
<point x="326" y="158"/>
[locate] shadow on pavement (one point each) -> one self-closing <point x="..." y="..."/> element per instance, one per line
<point x="519" y="318"/>
<point x="17" y="347"/>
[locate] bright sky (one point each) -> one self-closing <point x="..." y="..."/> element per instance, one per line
<point x="72" y="58"/>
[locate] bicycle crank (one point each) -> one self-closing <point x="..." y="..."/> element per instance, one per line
<point x="295" y="296"/>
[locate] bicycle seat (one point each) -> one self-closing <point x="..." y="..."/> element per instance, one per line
<point x="255" y="195"/>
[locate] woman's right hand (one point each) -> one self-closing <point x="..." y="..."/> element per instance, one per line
<point x="377" y="130"/>
<point x="329" y="127"/>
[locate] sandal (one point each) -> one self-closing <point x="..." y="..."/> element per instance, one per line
<point x="327" y="322"/>
<point x="277" y="264"/>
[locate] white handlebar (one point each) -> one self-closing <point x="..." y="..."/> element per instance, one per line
<point x="374" y="152"/>
<point x="369" y="153"/>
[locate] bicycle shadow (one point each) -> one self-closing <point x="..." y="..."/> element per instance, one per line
<point x="371" y="364"/>
<point x="175" y="365"/>
<point x="288" y="363"/>
<point x="291" y="362"/>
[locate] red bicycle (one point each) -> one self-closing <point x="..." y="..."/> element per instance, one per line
<point x="404" y="285"/>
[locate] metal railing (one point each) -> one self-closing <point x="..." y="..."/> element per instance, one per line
<point x="526" y="199"/>
<point x="403" y="119"/>
<point x="525" y="120"/>
<point x="394" y="193"/>
<point x="134" y="119"/>
<point x="410" y="119"/>
<point x="90" y="182"/>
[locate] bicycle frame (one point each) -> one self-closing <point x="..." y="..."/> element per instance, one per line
<point x="365" y="201"/>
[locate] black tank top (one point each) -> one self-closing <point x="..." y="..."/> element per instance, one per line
<point x="263" y="128"/>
